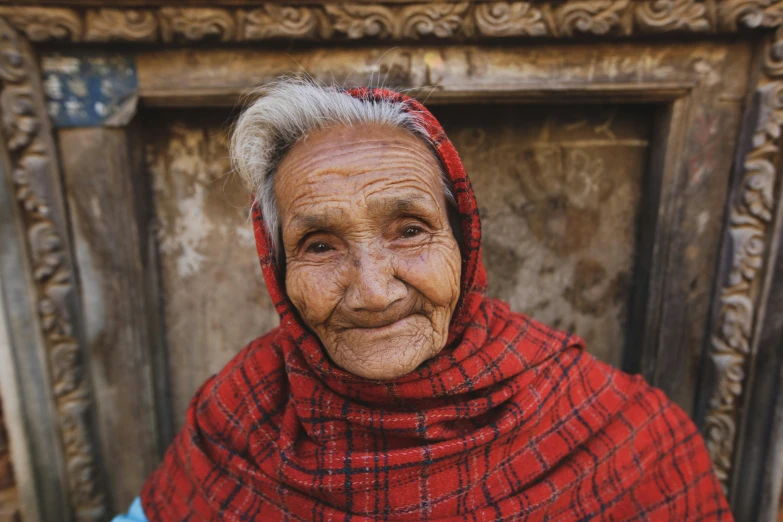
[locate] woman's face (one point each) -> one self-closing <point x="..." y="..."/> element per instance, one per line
<point x="371" y="263"/>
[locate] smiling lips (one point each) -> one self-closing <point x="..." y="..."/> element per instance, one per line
<point x="379" y="320"/>
<point x="402" y="327"/>
<point x="388" y="325"/>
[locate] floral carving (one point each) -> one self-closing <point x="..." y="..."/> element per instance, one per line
<point x="11" y="60"/>
<point x="19" y="120"/>
<point x="197" y="23"/>
<point x="673" y="15"/>
<point x="750" y="221"/>
<point x="510" y="19"/>
<point x="104" y="25"/>
<point x="26" y="194"/>
<point x="47" y="254"/>
<point x="362" y="21"/>
<point x="66" y="368"/>
<point x="441" y="20"/>
<point x="591" y="17"/>
<point x="751" y="14"/>
<point x="277" y="21"/>
<point x="748" y="243"/>
<point x="759" y="185"/>
<point x="44" y="23"/>
<point x="558" y="18"/>
<point x="83" y="481"/>
<point x="31" y="150"/>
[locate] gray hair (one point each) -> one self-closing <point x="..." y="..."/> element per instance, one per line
<point x="286" y="111"/>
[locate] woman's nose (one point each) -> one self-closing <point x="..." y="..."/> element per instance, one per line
<point x="373" y="287"/>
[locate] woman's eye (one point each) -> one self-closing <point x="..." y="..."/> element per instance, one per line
<point x="318" y="247"/>
<point x="411" y="231"/>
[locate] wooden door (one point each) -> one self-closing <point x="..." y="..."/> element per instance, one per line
<point x="593" y="218"/>
<point x="629" y="192"/>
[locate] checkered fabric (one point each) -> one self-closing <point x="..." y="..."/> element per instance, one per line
<point x="513" y="420"/>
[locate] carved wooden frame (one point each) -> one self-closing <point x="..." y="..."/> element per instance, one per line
<point x="43" y="309"/>
<point x="394" y="20"/>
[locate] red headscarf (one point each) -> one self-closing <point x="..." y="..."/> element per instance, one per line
<point x="512" y="420"/>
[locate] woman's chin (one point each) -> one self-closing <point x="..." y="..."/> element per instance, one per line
<point x="391" y="356"/>
<point x="384" y="372"/>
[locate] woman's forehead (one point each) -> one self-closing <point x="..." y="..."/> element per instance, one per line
<point x="362" y="161"/>
<point x="344" y="146"/>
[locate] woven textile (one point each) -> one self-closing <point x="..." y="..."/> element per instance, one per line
<point x="512" y="420"/>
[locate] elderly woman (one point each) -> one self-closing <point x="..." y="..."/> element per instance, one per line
<point x="394" y="388"/>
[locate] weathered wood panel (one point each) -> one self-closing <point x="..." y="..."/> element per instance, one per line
<point x="214" y="296"/>
<point x="102" y="173"/>
<point x="694" y="205"/>
<point x="559" y="191"/>
<point x="599" y="71"/>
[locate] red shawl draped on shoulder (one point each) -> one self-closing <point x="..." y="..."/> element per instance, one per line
<point x="512" y="420"/>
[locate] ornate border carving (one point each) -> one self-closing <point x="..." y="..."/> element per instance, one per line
<point x="747" y="239"/>
<point x="463" y="20"/>
<point x="32" y="158"/>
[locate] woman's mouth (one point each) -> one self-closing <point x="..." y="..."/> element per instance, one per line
<point x="386" y="328"/>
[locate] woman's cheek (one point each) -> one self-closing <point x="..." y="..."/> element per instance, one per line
<point x="435" y="273"/>
<point x="314" y="290"/>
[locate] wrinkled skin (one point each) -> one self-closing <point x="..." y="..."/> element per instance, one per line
<point x="372" y="265"/>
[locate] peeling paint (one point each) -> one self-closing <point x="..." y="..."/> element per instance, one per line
<point x="188" y="234"/>
<point x="95" y="206"/>
<point x="701" y="222"/>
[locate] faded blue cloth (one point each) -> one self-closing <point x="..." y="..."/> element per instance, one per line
<point x="135" y="513"/>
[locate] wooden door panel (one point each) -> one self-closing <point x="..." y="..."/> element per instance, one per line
<point x="559" y="191"/>
<point x="214" y="298"/>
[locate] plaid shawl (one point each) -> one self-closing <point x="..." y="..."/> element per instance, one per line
<point x="512" y="420"/>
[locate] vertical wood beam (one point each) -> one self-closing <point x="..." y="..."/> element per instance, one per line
<point x="758" y="463"/>
<point x="41" y="295"/>
<point x="103" y="174"/>
<point x="742" y="292"/>
<point x="35" y="446"/>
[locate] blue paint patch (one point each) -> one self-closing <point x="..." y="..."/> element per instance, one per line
<point x="89" y="89"/>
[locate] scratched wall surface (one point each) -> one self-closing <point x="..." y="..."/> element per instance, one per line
<point x="559" y="194"/>
<point x="558" y="189"/>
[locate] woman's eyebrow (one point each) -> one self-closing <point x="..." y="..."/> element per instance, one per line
<point x="327" y="220"/>
<point x="391" y="207"/>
